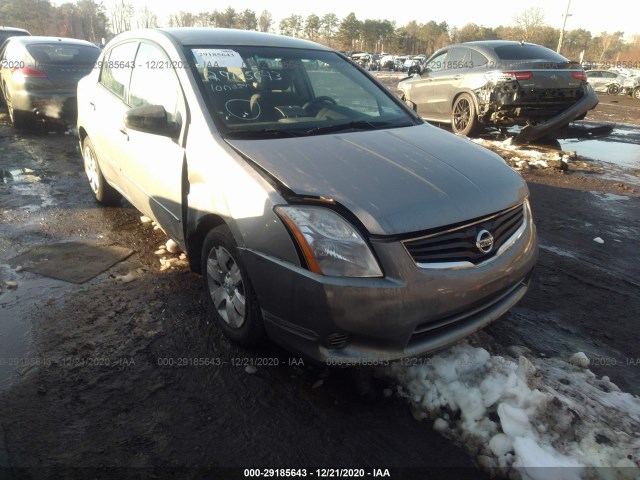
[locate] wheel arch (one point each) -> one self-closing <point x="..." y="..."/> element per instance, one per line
<point x="473" y="96"/>
<point x="195" y="238"/>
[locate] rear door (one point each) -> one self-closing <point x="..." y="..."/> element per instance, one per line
<point x="426" y="92"/>
<point x="104" y="107"/>
<point x="433" y="94"/>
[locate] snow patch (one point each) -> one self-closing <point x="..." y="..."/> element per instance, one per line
<point x="522" y="156"/>
<point x="529" y="418"/>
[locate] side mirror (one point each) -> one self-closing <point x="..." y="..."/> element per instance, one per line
<point x="150" y="119"/>
<point x="414" y="69"/>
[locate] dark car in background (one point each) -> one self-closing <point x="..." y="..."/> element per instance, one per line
<point x="7" y="32"/>
<point x="39" y="77"/>
<point x="500" y="83"/>
<point x="318" y="208"/>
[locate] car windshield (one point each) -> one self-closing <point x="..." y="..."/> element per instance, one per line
<point x="266" y="92"/>
<point x="63" y="54"/>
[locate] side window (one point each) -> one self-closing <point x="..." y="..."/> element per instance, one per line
<point x="595" y="74"/>
<point x="455" y="58"/>
<point x="153" y="82"/>
<point x="438" y="63"/>
<point x="116" y="68"/>
<point x="478" y="59"/>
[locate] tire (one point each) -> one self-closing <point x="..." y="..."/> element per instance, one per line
<point x="636" y="93"/>
<point x="464" y="120"/>
<point x="103" y="192"/>
<point x="228" y="288"/>
<point x="18" y="118"/>
<point x="613" y="89"/>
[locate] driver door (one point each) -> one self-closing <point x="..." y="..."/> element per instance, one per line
<point x="152" y="163"/>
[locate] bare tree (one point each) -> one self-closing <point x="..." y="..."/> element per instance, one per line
<point x="265" y="22"/>
<point x="530" y="22"/>
<point x="121" y="15"/>
<point x="182" y="19"/>
<point x="146" y="18"/>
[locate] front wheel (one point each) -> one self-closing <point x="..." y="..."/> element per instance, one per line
<point x="235" y="306"/>
<point x="463" y="116"/>
<point x="636" y="93"/>
<point x="103" y="192"/>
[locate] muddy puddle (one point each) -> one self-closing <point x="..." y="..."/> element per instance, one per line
<point x="621" y="147"/>
<point x="15" y="329"/>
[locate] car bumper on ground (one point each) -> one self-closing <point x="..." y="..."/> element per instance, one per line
<point x="409" y="312"/>
<point x="533" y="132"/>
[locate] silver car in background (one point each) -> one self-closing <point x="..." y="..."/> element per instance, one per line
<point x="320" y="210"/>
<point x="605" y="81"/>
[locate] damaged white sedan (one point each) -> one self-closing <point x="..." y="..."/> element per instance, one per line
<point x="500" y="83"/>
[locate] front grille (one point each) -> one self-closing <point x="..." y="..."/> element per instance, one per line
<point x="459" y="244"/>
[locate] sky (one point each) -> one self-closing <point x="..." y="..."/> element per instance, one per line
<point x="584" y="13"/>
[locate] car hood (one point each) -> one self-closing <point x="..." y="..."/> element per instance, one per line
<point x="395" y="181"/>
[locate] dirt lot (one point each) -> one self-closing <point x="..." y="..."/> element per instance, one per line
<point x="107" y="376"/>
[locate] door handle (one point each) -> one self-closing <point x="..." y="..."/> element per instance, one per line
<point x="457" y="77"/>
<point x="93" y="105"/>
<point x="123" y="131"/>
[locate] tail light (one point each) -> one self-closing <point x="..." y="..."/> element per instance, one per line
<point x="580" y="75"/>
<point x="498" y="76"/>
<point x="520" y="75"/>
<point x="27" y="72"/>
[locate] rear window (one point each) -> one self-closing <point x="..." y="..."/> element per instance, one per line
<point x="63" y="54"/>
<point x="4" y="34"/>
<point x="528" y="52"/>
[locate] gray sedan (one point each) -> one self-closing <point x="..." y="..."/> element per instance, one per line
<point x="320" y="210"/>
<point x="39" y="77"/>
<point x="500" y="83"/>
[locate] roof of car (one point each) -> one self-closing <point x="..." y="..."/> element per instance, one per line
<point x="225" y="36"/>
<point x="14" y="29"/>
<point x="487" y="47"/>
<point x="30" y="40"/>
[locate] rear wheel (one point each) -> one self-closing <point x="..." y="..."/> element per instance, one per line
<point x="235" y="306"/>
<point x="463" y="117"/>
<point x="636" y="93"/>
<point x="613" y="89"/>
<point x="103" y="192"/>
<point x="19" y="118"/>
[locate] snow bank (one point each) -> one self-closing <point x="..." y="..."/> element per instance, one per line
<point x="522" y="156"/>
<point x="526" y="418"/>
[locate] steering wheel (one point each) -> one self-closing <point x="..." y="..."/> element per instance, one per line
<point x="318" y="102"/>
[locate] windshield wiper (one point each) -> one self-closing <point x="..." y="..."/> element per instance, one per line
<point x="353" y="126"/>
<point x="251" y="134"/>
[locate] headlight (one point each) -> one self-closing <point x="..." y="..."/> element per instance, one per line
<point x="329" y="243"/>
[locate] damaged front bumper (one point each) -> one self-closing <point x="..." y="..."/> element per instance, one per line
<point x="533" y="132"/>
